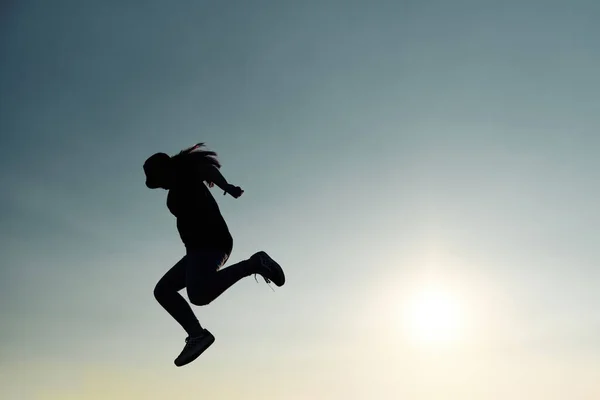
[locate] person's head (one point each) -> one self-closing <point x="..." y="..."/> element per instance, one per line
<point x="158" y="169"/>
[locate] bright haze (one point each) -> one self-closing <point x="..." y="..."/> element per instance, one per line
<point x="426" y="172"/>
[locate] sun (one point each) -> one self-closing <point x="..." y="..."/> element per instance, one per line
<point x="434" y="315"/>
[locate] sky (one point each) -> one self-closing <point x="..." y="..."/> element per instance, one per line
<point x="385" y="148"/>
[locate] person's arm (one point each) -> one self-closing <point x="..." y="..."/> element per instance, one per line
<point x="214" y="175"/>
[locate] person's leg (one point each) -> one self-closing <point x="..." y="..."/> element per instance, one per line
<point x="205" y="280"/>
<point x="198" y="270"/>
<point x="166" y="293"/>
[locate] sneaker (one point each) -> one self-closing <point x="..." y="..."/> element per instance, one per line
<point x="268" y="268"/>
<point x="194" y="346"/>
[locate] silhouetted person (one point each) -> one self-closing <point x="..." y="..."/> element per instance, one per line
<point x="207" y="240"/>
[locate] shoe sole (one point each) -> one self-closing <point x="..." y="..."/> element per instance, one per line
<point x="206" y="344"/>
<point x="267" y="262"/>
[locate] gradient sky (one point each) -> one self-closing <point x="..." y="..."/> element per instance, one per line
<point x="382" y="145"/>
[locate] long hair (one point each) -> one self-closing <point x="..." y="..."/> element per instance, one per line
<point x="198" y="154"/>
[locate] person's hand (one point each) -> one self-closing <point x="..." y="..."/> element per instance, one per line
<point x="234" y="191"/>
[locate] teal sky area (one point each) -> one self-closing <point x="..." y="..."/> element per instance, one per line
<point x="383" y="146"/>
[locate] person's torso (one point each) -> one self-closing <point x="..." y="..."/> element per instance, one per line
<point x="199" y="219"/>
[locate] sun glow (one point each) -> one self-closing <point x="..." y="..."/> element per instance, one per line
<point x="434" y="315"/>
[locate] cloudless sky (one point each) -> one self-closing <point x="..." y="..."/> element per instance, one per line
<point x="382" y="145"/>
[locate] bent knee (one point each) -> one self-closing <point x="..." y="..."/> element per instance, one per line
<point x="199" y="297"/>
<point x="161" y="291"/>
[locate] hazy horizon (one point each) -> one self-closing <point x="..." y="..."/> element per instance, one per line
<point x="384" y="148"/>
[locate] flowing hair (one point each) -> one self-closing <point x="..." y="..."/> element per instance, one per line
<point x="199" y="155"/>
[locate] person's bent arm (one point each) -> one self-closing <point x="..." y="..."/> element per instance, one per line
<point x="214" y="175"/>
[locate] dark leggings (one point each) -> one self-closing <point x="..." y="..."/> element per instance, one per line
<point x="198" y="271"/>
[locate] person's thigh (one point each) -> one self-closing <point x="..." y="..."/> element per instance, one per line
<point x="201" y="267"/>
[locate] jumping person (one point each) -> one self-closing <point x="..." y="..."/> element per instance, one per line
<point x="207" y="240"/>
